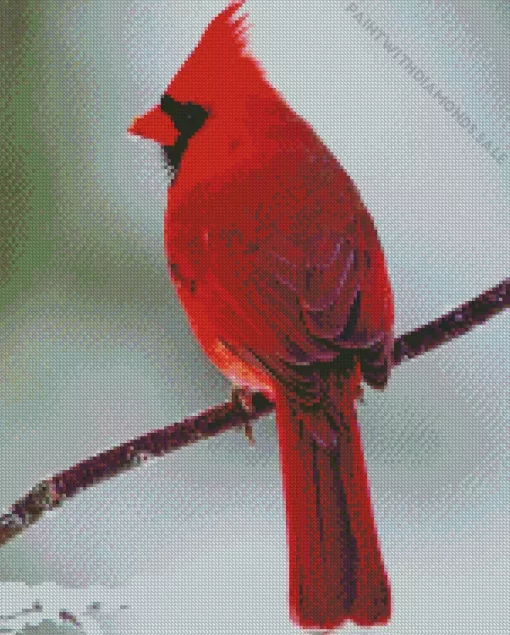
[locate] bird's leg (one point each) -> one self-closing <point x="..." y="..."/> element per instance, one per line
<point x="360" y="394"/>
<point x="242" y="397"/>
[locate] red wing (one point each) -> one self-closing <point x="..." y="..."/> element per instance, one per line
<point x="310" y="295"/>
<point x="336" y="297"/>
<point x="294" y="260"/>
<point x="327" y="286"/>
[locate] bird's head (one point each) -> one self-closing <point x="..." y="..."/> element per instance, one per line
<point x="213" y="90"/>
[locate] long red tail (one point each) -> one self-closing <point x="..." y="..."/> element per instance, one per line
<point x="336" y="570"/>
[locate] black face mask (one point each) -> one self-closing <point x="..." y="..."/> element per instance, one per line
<point x="187" y="118"/>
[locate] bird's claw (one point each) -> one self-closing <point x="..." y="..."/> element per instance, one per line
<point x="242" y="397"/>
<point x="248" y="433"/>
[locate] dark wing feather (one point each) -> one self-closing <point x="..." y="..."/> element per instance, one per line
<point x="302" y="263"/>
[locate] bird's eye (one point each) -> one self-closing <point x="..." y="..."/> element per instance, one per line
<point x="186" y="117"/>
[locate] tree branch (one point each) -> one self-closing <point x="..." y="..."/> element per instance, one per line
<point x="51" y="493"/>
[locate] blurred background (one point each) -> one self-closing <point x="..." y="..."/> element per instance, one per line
<point x="95" y="349"/>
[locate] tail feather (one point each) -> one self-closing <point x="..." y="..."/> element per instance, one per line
<point x="336" y="570"/>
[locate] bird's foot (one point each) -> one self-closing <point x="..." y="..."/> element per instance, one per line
<point x="242" y="397"/>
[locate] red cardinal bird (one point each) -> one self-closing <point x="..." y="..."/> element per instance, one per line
<point x="279" y="268"/>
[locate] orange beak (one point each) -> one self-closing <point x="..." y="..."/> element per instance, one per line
<point x="156" y="126"/>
